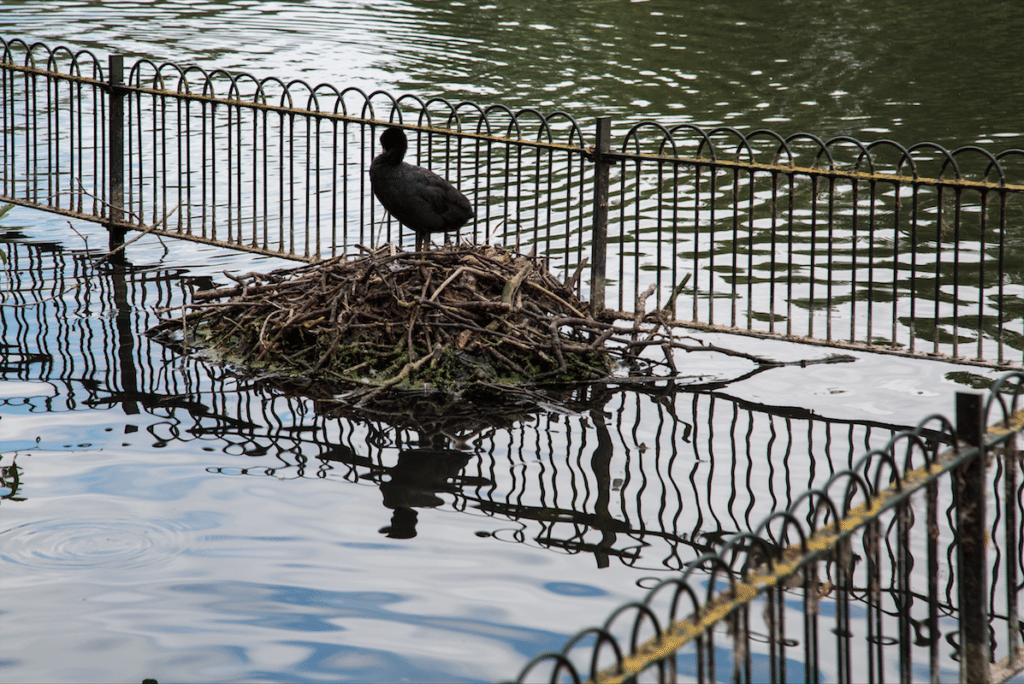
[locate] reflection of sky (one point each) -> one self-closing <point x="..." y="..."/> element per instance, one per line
<point x="250" y="578"/>
<point x="197" y="550"/>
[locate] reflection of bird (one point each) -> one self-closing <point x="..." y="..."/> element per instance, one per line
<point x="417" y="198"/>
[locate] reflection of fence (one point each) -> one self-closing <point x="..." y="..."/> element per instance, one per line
<point x="916" y="249"/>
<point x="840" y="560"/>
<point x="656" y="482"/>
<point x="668" y="477"/>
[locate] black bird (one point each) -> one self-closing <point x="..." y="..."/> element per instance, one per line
<point x="417" y="198"/>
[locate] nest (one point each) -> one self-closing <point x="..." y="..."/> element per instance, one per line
<point x="433" y="321"/>
<point x="479" y="324"/>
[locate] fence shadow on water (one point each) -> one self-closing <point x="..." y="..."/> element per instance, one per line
<point x="915" y="249"/>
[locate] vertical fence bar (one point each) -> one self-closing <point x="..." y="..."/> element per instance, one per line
<point x="972" y="563"/>
<point x="599" y="238"/>
<point x="1011" y="464"/>
<point x="115" y="151"/>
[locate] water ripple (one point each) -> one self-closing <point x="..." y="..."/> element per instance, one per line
<point x="57" y="544"/>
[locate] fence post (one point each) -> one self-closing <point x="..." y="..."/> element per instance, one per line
<point x="115" y="152"/>
<point x="599" y="238"/>
<point x="971" y="534"/>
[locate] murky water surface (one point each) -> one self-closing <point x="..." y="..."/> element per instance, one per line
<point x="162" y="518"/>
<point x="949" y="72"/>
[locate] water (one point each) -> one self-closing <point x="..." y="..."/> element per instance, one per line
<point x="162" y="518"/>
<point x="949" y="73"/>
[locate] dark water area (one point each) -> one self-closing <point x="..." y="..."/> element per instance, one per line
<point x="162" y="517"/>
<point x="948" y="72"/>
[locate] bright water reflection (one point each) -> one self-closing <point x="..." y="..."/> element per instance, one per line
<point x="161" y="518"/>
<point x="164" y="518"/>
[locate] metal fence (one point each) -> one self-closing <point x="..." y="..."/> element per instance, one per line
<point x="913" y="249"/>
<point x="824" y="590"/>
<point x="660" y="483"/>
<point x="650" y="479"/>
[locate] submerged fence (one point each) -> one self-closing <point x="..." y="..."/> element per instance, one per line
<point x="824" y="591"/>
<point x="914" y="249"/>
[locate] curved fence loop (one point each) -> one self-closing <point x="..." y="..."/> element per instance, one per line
<point x="818" y="499"/>
<point x="993" y="163"/>
<point x="601" y="637"/>
<point x="1007" y="396"/>
<point x="778" y="543"/>
<point x="884" y="523"/>
<point x="642" y="611"/>
<point x="905" y="156"/>
<point x="865" y="152"/>
<point x="562" y="663"/>
<point x="705" y="140"/>
<point x="855" y="483"/>
<point x="743" y="143"/>
<point x="879" y="457"/>
<point x="822" y="147"/>
<point x="754" y="549"/>
<point x="949" y="161"/>
<point x="633" y="134"/>
<point x="681" y="587"/>
<point x="891" y="261"/>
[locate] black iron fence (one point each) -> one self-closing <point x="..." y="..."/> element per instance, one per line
<point x="913" y="249"/>
<point x="826" y="589"/>
<point x="772" y="586"/>
<point x="651" y="479"/>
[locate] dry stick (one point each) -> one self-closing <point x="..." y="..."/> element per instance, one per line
<point x="513" y="285"/>
<point x="402" y="374"/>
<point x="638" y="314"/>
<point x="336" y="340"/>
<point x="441" y="325"/>
<point x="142" y="234"/>
<point x="601" y="339"/>
<point x="556" y="345"/>
<point x="447" y="280"/>
<point x="669" y="358"/>
<point x="570" y="284"/>
<point x="641" y="304"/>
<point x="495" y="229"/>
<point x="671" y="304"/>
<point x="505" y="360"/>
<point x="83" y="191"/>
<point x="610" y="329"/>
<point x="558" y="299"/>
<point x="412" y="324"/>
<point x="427" y="277"/>
<point x="354" y="368"/>
<point x="99" y="261"/>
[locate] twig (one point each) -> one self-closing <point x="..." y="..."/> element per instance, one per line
<point x="145" y="232"/>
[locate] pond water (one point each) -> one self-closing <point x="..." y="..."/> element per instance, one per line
<point x="949" y="73"/>
<point x="163" y="518"/>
